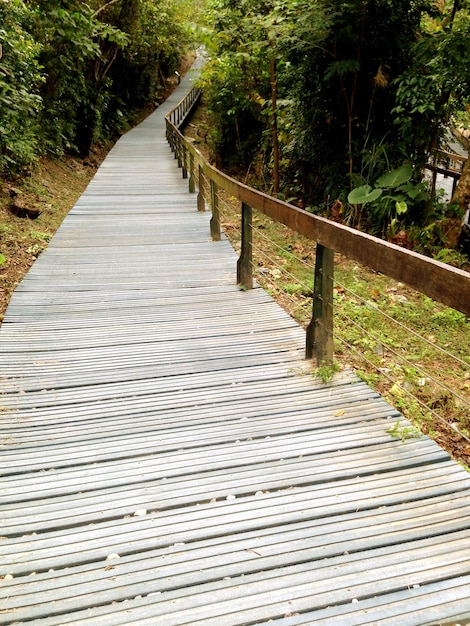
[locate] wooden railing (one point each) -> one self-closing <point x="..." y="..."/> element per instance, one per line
<point x="449" y="165"/>
<point x="179" y="116"/>
<point x="443" y="283"/>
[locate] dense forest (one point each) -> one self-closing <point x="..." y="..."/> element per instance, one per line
<point x="74" y="72"/>
<point x="336" y="106"/>
<point x="340" y="105"/>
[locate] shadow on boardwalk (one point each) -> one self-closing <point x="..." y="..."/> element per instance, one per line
<point x="167" y="457"/>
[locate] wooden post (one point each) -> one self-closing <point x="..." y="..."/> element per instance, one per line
<point x="215" y="219"/>
<point x="184" y="160"/>
<point x="319" y="340"/>
<point x="169" y="137"/>
<point x="245" y="262"/>
<point x="192" y="183"/>
<point x="178" y="152"/>
<point x="201" y="206"/>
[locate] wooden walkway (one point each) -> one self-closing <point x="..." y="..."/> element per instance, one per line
<point x="168" y="459"/>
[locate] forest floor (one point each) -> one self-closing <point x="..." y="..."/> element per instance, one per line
<point x="420" y="363"/>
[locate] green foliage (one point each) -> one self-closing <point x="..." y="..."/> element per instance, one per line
<point x="77" y="50"/>
<point x="244" y="40"/>
<point x="231" y="88"/>
<point x="344" y="93"/>
<point x="158" y="38"/>
<point x="73" y="72"/>
<point x="326" y="373"/>
<point x="389" y="199"/>
<point x="448" y="318"/>
<point x="20" y="80"/>
<point x="404" y="432"/>
<point x="236" y="81"/>
<point x="451" y="257"/>
<point x="365" y="87"/>
<point x="396" y="177"/>
<point x="436" y="85"/>
<point x="364" y="194"/>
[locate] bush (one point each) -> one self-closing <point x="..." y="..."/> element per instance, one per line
<point x="73" y="73"/>
<point x="20" y="80"/>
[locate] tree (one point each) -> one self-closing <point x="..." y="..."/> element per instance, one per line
<point x="158" y="39"/>
<point x="437" y="83"/>
<point x="345" y="92"/>
<point x="20" y="83"/>
<point x="336" y="61"/>
<point x="75" y="45"/>
<point x="74" y="72"/>
<point x="366" y="87"/>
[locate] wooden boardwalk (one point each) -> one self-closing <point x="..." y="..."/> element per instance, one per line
<point x="166" y="457"/>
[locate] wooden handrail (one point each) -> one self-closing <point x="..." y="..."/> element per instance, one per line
<point x="452" y="156"/>
<point x="441" y="282"/>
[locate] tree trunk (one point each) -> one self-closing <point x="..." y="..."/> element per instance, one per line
<point x="462" y="196"/>
<point x="462" y="191"/>
<point x="274" y="126"/>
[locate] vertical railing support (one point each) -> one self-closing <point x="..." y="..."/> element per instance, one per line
<point x="192" y="183"/>
<point x="178" y="151"/>
<point x="245" y="261"/>
<point x="184" y="161"/>
<point x="319" y="340"/>
<point x="201" y="205"/>
<point x="169" y="137"/>
<point x="215" y="219"/>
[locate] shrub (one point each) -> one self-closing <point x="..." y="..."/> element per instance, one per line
<point x="20" y="80"/>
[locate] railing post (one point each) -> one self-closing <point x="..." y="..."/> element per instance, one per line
<point x="192" y="183"/>
<point x="184" y="160"/>
<point x="201" y="206"/>
<point x="172" y="142"/>
<point x="175" y="146"/>
<point x="179" y="151"/>
<point x="245" y="262"/>
<point x="215" y="219"/>
<point x="168" y="134"/>
<point x="319" y="340"/>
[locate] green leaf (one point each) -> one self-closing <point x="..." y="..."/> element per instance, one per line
<point x="401" y="207"/>
<point x="395" y="177"/>
<point x="363" y="195"/>
<point x="416" y="192"/>
<point x="3" y="259"/>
